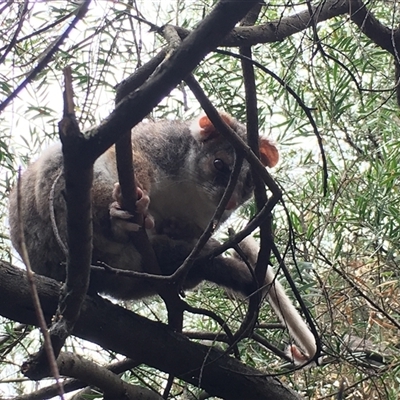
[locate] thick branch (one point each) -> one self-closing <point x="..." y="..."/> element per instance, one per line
<point x="134" y="107"/>
<point x="128" y="183"/>
<point x="73" y="365"/>
<point x="126" y="333"/>
<point x="282" y="28"/>
<point x="78" y="183"/>
<point x="70" y="385"/>
<point x="139" y="77"/>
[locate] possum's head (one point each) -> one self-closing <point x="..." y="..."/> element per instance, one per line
<point x="214" y="158"/>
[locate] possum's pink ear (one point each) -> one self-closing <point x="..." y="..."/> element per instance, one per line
<point x="269" y="154"/>
<point x="202" y="128"/>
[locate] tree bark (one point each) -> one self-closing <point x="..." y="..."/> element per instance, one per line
<point x="122" y="331"/>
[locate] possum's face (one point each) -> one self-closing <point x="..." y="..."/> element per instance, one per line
<point x="214" y="161"/>
<point x="192" y="168"/>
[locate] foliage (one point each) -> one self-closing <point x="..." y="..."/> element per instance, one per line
<point x="342" y="244"/>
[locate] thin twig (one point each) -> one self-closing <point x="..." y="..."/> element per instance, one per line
<point x="240" y="146"/>
<point x="35" y="298"/>
<point x="300" y="102"/>
<point x="41" y="30"/>
<point x="13" y="40"/>
<point x="359" y="291"/>
<point x="259" y="190"/>
<point x="80" y="13"/>
<point x="53" y="220"/>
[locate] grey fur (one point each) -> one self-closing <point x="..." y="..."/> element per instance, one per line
<point x="185" y="184"/>
<point x="184" y="187"/>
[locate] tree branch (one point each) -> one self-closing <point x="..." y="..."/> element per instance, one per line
<point x="47" y="352"/>
<point x="80" y="13"/>
<point x="24" y="11"/>
<point x="70" y="385"/>
<point x="136" y="337"/>
<point x="78" y="182"/>
<point x="260" y="196"/>
<point x="282" y="28"/>
<point x="189" y="54"/>
<point x="109" y="383"/>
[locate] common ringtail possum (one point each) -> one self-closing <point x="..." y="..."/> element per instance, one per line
<point x="182" y="169"/>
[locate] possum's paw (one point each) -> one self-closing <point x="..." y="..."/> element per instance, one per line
<point x="122" y="221"/>
<point x="301" y="358"/>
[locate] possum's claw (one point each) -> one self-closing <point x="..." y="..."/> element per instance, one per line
<point x="122" y="220"/>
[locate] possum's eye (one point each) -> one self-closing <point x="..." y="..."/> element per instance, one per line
<point x="220" y="166"/>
